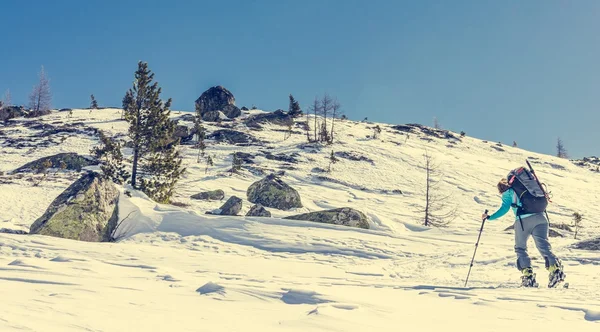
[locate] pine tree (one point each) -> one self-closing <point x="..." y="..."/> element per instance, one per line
<point x="294" y="109"/>
<point x="94" y="103"/>
<point x="151" y="131"/>
<point x="111" y="159"/>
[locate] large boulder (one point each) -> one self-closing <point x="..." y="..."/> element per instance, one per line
<point x="71" y="161"/>
<point x="217" y="98"/>
<point x="213" y="195"/>
<point x="274" y="193"/>
<point x="232" y="207"/>
<point x="258" y="211"/>
<point x="86" y="211"/>
<point x="278" y="117"/>
<point x="343" y="216"/>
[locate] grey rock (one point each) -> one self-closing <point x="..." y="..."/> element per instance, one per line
<point x="213" y="195"/>
<point x="213" y="116"/>
<point x="593" y="244"/>
<point x="353" y="156"/>
<point x="12" y="231"/>
<point x="274" y="193"/>
<point x="73" y="162"/>
<point x="258" y="211"/>
<point x="343" y="216"/>
<point x="86" y="211"/>
<point x="232" y="137"/>
<point x="231" y="207"/>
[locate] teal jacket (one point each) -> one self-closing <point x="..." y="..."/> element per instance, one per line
<point x="507" y="201"/>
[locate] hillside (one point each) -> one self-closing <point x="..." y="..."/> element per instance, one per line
<point x="177" y="268"/>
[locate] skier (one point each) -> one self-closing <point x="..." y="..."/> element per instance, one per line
<point x="530" y="223"/>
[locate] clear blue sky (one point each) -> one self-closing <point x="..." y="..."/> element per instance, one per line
<point x="500" y="70"/>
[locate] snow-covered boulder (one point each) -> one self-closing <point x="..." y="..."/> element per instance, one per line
<point x="343" y="216"/>
<point x="278" y="117"/>
<point x="274" y="193"/>
<point x="232" y="207"/>
<point x="213" y="195"/>
<point x="258" y="211"/>
<point x="85" y="211"/>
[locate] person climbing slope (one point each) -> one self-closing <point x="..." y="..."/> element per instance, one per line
<point x="522" y="192"/>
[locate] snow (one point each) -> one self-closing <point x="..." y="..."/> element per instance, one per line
<point x="178" y="269"/>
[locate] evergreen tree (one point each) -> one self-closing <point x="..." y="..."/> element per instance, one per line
<point x="151" y="131"/>
<point x="94" y="103"/>
<point x="294" y="109"/>
<point x="111" y="159"/>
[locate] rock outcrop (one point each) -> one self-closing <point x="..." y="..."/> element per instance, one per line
<point x="86" y="211"/>
<point x="343" y="216"/>
<point x="217" y="99"/>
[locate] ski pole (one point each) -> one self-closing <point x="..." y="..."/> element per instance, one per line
<point x="476" y="245"/>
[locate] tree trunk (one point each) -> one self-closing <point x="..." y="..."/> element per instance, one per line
<point x="427" y="196"/>
<point x="135" y="164"/>
<point x="316" y="122"/>
<point x="332" y="125"/>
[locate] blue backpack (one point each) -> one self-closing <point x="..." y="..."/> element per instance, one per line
<point x="529" y="190"/>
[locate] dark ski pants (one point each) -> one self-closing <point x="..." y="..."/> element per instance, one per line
<point x="536" y="226"/>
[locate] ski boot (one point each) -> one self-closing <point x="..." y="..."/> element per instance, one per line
<point x="528" y="278"/>
<point x="556" y="274"/>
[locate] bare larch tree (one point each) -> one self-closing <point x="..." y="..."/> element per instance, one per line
<point x="40" y="99"/>
<point x="437" y="211"/>
<point x="561" y="151"/>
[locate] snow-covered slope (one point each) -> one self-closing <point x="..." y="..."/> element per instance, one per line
<point x="179" y="269"/>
